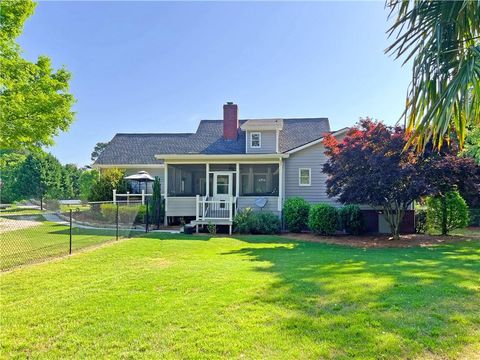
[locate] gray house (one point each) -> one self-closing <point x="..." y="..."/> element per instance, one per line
<point x="229" y="164"/>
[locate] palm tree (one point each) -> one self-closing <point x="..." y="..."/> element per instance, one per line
<point x="443" y="40"/>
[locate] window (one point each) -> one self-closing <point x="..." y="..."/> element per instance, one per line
<point x="186" y="180"/>
<point x="255" y="140"/>
<point x="223" y="184"/>
<point x="304" y="177"/>
<point x="259" y="179"/>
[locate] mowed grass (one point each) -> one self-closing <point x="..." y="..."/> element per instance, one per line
<point x="46" y="240"/>
<point x="166" y="296"/>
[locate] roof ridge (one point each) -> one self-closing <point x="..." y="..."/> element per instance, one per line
<point x="156" y="134"/>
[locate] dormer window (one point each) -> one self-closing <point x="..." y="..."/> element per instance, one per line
<point x="255" y="140"/>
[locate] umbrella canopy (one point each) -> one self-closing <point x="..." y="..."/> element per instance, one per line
<point x="141" y="176"/>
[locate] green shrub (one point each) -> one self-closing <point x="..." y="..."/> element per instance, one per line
<point x="421" y="221"/>
<point x="323" y="219"/>
<point x="262" y="222"/>
<point x="127" y="214"/>
<point x="156" y="207"/>
<point x="265" y="222"/>
<point x="445" y="213"/>
<point x="141" y="213"/>
<point x="351" y="219"/>
<point x="296" y="212"/>
<point x="212" y="228"/>
<point x="242" y="221"/>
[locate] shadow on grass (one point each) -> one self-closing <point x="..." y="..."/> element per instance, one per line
<point x="394" y="302"/>
<point x="254" y="239"/>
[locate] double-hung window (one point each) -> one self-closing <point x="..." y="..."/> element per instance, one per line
<point x="255" y="140"/>
<point x="304" y="177"/>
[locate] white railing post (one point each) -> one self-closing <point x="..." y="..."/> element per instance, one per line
<point x="230" y="208"/>
<point x="207" y="180"/>
<point x="197" y="206"/>
<point x="203" y="209"/>
<point x="114" y="196"/>
<point x="128" y="197"/>
<point x="143" y="197"/>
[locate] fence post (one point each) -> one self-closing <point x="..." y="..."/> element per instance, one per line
<point x="159" y="208"/>
<point x="114" y="196"/>
<point x="146" y="216"/>
<point x="143" y="196"/>
<point x="116" y="222"/>
<point x="70" y="251"/>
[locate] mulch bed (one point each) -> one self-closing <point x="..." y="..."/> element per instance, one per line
<point x="383" y="240"/>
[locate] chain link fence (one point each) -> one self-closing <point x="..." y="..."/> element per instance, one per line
<point x="39" y="231"/>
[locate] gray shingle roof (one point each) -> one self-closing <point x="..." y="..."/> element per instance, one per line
<point x="208" y="140"/>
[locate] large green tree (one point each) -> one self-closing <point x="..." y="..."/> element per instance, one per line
<point x="86" y="181"/>
<point x="35" y="101"/>
<point x="442" y="39"/>
<point x="39" y="176"/>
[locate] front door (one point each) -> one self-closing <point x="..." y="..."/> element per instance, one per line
<point x="222" y="185"/>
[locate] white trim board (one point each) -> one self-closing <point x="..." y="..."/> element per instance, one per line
<point x="128" y="166"/>
<point x="314" y="142"/>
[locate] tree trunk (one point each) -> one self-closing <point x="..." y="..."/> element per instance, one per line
<point x="394" y="217"/>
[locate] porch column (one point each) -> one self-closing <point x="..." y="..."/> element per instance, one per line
<point x="165" y="185"/>
<point x="207" y="179"/>
<point x="280" y="185"/>
<point x="237" y="183"/>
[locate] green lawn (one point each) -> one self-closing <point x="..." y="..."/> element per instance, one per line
<point x="166" y="296"/>
<point x="46" y="240"/>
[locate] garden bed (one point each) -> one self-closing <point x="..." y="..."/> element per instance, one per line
<point x="384" y="241"/>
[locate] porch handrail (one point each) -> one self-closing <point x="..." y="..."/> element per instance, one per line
<point x="211" y="209"/>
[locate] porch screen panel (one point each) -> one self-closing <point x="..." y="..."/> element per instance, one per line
<point x="186" y="180"/>
<point x="259" y="179"/>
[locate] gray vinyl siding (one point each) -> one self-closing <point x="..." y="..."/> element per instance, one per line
<point x="311" y="157"/>
<point x="249" y="201"/>
<point x="152" y="171"/>
<point x="268" y="142"/>
<point x="181" y="206"/>
<point x="185" y="206"/>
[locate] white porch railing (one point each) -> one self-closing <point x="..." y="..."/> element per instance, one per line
<point x="130" y="197"/>
<point x="209" y="209"/>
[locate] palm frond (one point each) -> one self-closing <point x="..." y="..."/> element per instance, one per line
<point x="442" y="39"/>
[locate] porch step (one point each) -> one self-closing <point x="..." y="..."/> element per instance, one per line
<point x="211" y="221"/>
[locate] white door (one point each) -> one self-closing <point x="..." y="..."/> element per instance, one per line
<point x="222" y="185"/>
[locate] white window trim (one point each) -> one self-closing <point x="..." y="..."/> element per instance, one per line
<point x="309" y="177"/>
<point x="259" y="140"/>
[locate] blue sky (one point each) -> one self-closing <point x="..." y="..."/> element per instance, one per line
<point x="161" y="67"/>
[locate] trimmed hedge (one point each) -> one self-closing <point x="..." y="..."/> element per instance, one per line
<point x="323" y="219"/>
<point x="351" y="219"/>
<point x="295" y="211"/>
<point x="127" y="214"/>
<point x="247" y="221"/>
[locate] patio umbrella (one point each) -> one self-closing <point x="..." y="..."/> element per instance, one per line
<point x="141" y="177"/>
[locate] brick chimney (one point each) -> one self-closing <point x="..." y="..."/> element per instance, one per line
<point x="230" y="121"/>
